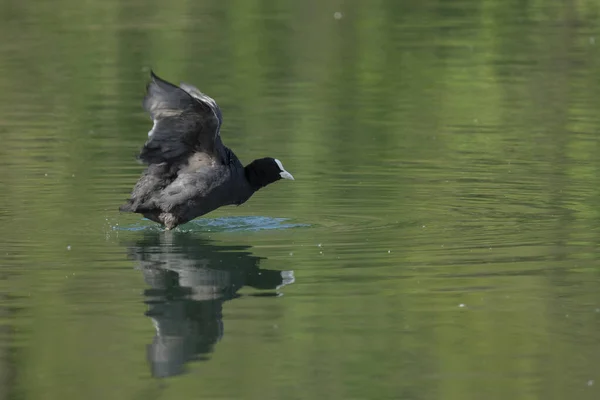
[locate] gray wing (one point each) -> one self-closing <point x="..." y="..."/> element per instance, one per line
<point x="203" y="189"/>
<point x="185" y="121"/>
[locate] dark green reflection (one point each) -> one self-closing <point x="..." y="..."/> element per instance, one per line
<point x="190" y="278"/>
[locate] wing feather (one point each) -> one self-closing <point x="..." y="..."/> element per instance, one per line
<point x="185" y="121"/>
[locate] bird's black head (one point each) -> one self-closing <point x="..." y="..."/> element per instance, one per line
<point x="264" y="171"/>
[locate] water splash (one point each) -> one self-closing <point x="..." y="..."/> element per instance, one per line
<point x="224" y="224"/>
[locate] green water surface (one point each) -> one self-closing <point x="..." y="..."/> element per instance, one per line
<point x="440" y="240"/>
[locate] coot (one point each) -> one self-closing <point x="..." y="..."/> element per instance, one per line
<point x="189" y="171"/>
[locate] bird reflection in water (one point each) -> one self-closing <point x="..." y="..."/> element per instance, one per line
<point x="190" y="278"/>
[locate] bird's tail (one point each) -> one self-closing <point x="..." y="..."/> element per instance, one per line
<point x="134" y="205"/>
<point x="127" y="207"/>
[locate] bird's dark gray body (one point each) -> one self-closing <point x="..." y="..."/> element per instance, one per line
<point x="190" y="172"/>
<point x="199" y="187"/>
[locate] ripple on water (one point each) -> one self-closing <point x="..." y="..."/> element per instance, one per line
<point x="224" y="224"/>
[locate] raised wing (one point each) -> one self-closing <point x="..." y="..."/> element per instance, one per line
<point x="185" y="121"/>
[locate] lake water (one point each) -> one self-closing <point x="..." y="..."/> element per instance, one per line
<point x="440" y="241"/>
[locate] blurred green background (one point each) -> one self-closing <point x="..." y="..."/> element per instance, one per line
<point x="443" y="227"/>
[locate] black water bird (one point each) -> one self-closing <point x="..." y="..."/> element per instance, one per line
<point x="189" y="171"/>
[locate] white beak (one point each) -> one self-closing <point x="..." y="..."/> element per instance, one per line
<point x="284" y="174"/>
